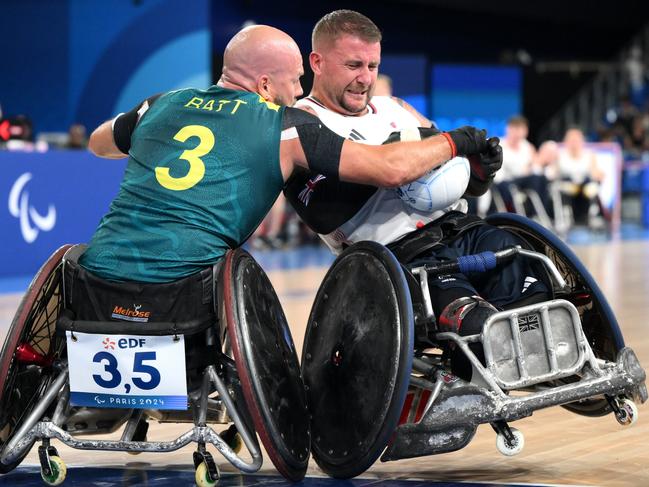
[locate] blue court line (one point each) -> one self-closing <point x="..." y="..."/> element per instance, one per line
<point x="29" y="476"/>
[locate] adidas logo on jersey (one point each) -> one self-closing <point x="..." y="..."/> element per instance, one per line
<point x="355" y="135"/>
<point x="529" y="280"/>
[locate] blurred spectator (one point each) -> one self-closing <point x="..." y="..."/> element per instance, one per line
<point x="637" y="141"/>
<point x="635" y="69"/>
<point x="267" y="235"/>
<point x="580" y="176"/>
<point x="21" y="135"/>
<point x="77" y="137"/>
<point x="623" y="122"/>
<point x="519" y="170"/>
<point x="383" y="85"/>
<point x="547" y="159"/>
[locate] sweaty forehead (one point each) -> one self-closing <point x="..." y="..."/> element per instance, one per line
<point x="348" y="47"/>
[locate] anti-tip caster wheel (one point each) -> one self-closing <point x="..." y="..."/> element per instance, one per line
<point x="627" y="413"/>
<point x="512" y="448"/>
<point x="58" y="471"/>
<point x="204" y="478"/>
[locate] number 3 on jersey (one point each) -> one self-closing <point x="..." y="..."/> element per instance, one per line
<point x="192" y="156"/>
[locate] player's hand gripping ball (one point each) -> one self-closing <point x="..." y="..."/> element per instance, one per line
<point x="439" y="188"/>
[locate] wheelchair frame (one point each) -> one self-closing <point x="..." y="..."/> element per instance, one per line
<point x="601" y="376"/>
<point x="224" y="376"/>
<point x="619" y="381"/>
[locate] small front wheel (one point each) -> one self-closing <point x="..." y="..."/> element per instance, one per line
<point x="58" y="471"/>
<point x="627" y="413"/>
<point x="203" y="477"/>
<point x="512" y="448"/>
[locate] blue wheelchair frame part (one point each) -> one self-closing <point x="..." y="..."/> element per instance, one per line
<point x="520" y="222"/>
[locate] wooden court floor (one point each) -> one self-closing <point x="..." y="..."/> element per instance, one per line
<point x="560" y="447"/>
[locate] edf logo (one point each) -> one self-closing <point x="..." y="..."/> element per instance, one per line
<point x="131" y="342"/>
<point x="31" y="222"/>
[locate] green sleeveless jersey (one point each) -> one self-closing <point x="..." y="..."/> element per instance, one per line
<point x="202" y="172"/>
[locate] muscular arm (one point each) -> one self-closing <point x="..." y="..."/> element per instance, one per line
<point x="314" y="146"/>
<point x="102" y="143"/>
<point x="423" y="121"/>
<point x="112" y="139"/>
<point x="392" y="165"/>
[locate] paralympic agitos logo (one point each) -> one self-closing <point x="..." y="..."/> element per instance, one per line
<point x="31" y="222"/>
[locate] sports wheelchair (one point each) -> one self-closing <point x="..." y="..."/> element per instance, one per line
<point x="247" y="373"/>
<point x="376" y="374"/>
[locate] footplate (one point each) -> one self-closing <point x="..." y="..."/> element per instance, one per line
<point x="534" y="344"/>
<point x="450" y="423"/>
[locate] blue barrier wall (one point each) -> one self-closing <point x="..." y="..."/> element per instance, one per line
<point x="484" y="96"/>
<point x="70" y="61"/>
<point x="48" y="200"/>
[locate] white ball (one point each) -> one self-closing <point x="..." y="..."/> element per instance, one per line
<point x="438" y="189"/>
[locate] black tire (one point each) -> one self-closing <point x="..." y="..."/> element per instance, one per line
<point x="266" y="363"/>
<point x="34" y="324"/>
<point x="357" y="358"/>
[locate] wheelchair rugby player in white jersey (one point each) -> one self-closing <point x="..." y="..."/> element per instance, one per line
<point x="429" y="316"/>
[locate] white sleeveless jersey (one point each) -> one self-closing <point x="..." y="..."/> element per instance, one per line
<point x="385" y="217"/>
<point x="577" y="169"/>
<point x="517" y="162"/>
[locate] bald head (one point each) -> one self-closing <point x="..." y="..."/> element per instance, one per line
<point x="264" y="60"/>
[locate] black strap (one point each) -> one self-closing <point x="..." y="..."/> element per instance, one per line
<point x="444" y="229"/>
<point x="66" y="323"/>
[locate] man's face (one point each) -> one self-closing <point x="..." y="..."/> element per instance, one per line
<point x="574" y="140"/>
<point x="516" y="132"/>
<point x="347" y="74"/>
<point x="285" y="83"/>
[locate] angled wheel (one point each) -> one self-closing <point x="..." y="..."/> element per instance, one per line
<point x="266" y="363"/>
<point x="357" y="358"/>
<point x="58" y="472"/>
<point x="510" y="448"/>
<point x="29" y="350"/>
<point x="598" y="321"/>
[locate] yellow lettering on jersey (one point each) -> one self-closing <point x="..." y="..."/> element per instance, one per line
<point x="192" y="156"/>
<point x="236" y="107"/>
<point x="195" y="102"/>
<point x="269" y="104"/>
<point x="221" y="103"/>
<point x="209" y="105"/>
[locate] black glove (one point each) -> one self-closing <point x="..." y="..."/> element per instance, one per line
<point x="467" y="140"/>
<point x="424" y="133"/>
<point x="484" y="167"/>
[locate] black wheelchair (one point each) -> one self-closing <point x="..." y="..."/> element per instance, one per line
<point x="377" y="376"/>
<point x="241" y="368"/>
